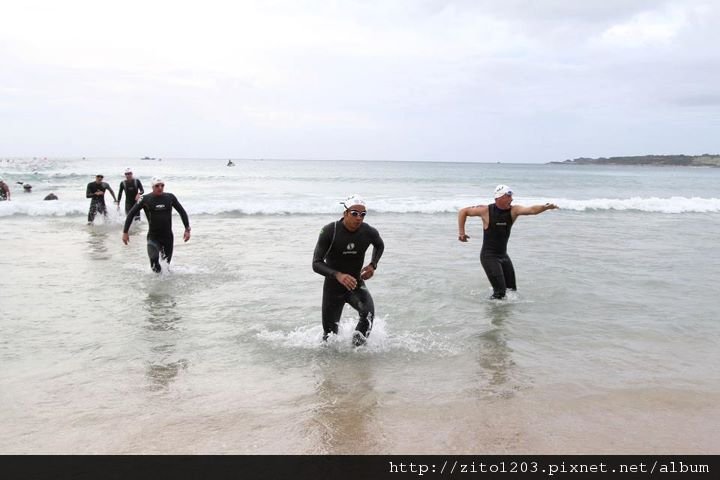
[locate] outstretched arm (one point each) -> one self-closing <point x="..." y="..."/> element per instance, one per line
<point x="475" y="211"/>
<point x="518" y="210"/>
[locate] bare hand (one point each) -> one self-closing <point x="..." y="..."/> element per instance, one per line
<point x="126" y="238"/>
<point x="347" y="281"/>
<point x="550" y="206"/>
<point x="367" y="272"/>
<point x="186" y="235"/>
<point x="463" y="237"/>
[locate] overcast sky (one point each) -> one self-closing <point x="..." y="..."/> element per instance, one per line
<point x="466" y="80"/>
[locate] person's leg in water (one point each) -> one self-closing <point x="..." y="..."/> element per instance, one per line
<point x="102" y="209"/>
<point x="494" y="271"/>
<point x="92" y="212"/>
<point x="167" y="248"/>
<point x="154" y="251"/>
<point x="159" y="248"/>
<point x="508" y="273"/>
<point x="333" y="301"/>
<point x="361" y="300"/>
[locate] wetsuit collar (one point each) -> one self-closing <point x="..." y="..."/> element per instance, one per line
<point x="342" y="222"/>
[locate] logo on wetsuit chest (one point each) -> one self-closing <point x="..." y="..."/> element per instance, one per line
<point x="501" y="224"/>
<point x="160" y="206"/>
<point x="350" y="249"/>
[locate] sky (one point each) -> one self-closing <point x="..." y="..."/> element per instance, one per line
<point x="522" y="81"/>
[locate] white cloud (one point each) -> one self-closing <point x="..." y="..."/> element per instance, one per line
<point x="337" y="79"/>
<point x="647" y="28"/>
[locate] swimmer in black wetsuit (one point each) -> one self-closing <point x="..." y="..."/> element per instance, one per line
<point x="4" y="190"/>
<point x="133" y="191"/>
<point x="158" y="207"/>
<point x="498" y="219"/>
<point x="339" y="256"/>
<point x="96" y="192"/>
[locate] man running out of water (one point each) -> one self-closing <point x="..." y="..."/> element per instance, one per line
<point x="133" y="191"/>
<point x="498" y="218"/>
<point x="96" y="192"/>
<point x="158" y="207"/>
<point x="339" y="256"/>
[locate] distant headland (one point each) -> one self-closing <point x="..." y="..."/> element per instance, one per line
<point x="704" y="160"/>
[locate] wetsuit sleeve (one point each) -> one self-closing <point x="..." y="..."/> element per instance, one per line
<point x="140" y="187"/>
<point x="107" y="186"/>
<point x="88" y="192"/>
<point x="378" y="247"/>
<point x="321" y="248"/>
<point x="135" y="210"/>
<point x="120" y="191"/>
<point x="182" y="212"/>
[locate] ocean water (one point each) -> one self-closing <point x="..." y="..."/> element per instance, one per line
<point x="610" y="344"/>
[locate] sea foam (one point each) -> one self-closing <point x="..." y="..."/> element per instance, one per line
<point x="242" y="207"/>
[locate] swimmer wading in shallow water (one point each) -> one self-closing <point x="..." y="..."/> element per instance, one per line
<point x="95" y="191"/>
<point x="133" y="191"/>
<point x="339" y="255"/>
<point x="158" y="207"/>
<point x="498" y="219"/>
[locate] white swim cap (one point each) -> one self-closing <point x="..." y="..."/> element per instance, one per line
<point x="501" y="190"/>
<point x="353" y="200"/>
<point x="128" y="170"/>
<point x="156" y="180"/>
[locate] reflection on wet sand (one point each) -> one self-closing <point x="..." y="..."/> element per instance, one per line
<point x="163" y="323"/>
<point x="495" y="356"/>
<point x="344" y="418"/>
<point x="97" y="244"/>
